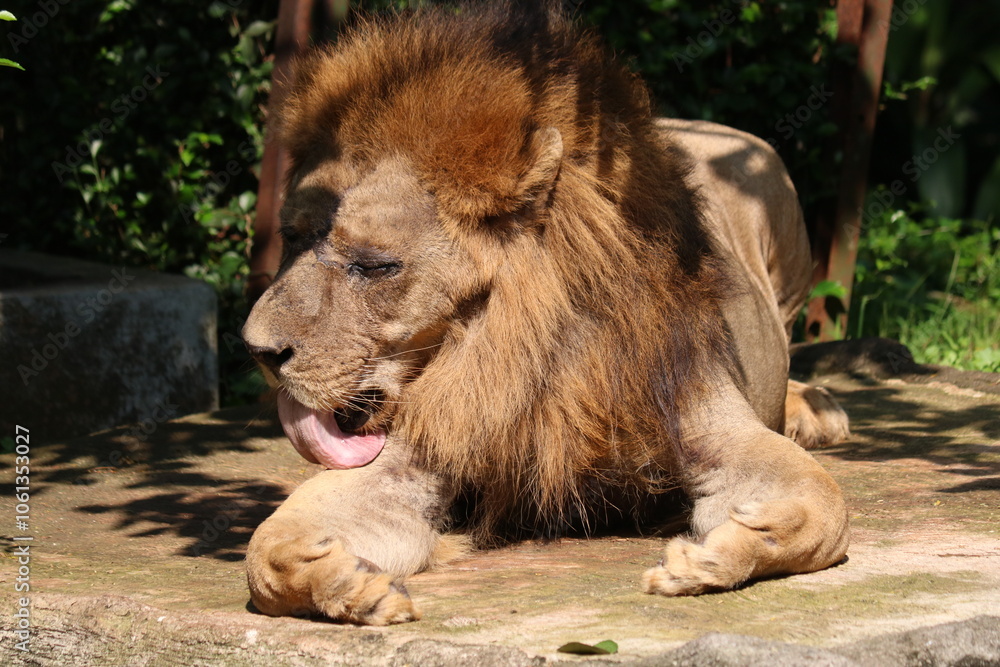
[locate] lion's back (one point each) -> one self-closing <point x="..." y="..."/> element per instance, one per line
<point x="750" y="206"/>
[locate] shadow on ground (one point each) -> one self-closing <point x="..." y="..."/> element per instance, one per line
<point x="181" y="478"/>
<point x="937" y="425"/>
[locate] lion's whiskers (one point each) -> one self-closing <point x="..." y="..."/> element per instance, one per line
<point x="402" y="352"/>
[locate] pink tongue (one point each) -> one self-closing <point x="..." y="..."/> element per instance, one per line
<point x="318" y="439"/>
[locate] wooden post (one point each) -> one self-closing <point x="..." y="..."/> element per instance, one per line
<point x="294" y="28"/>
<point x="856" y="90"/>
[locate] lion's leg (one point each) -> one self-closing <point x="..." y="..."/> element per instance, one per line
<point x="763" y="506"/>
<point x="813" y="418"/>
<point x="341" y="544"/>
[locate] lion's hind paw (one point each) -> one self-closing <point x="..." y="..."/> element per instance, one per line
<point x="813" y="418"/>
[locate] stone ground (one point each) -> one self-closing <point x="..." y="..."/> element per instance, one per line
<point x="138" y="548"/>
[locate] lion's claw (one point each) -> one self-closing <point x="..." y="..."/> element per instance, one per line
<point x="685" y="570"/>
<point x="301" y="578"/>
<point x="366" y="598"/>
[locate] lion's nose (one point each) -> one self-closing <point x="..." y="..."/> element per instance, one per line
<point x="271" y="357"/>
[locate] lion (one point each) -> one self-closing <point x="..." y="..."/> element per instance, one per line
<point x="512" y="303"/>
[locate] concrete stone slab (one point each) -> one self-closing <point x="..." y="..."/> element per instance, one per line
<point x="139" y="561"/>
<point x="152" y="335"/>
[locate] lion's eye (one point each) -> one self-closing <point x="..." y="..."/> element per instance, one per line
<point x="373" y="268"/>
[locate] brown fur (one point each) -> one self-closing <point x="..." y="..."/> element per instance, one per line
<point x="614" y="275"/>
<point x="555" y="334"/>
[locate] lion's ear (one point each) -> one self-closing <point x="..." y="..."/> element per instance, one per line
<point x="546" y="151"/>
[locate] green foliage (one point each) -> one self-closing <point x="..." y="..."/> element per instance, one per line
<point x="827" y="288"/>
<point x="757" y="66"/>
<point x="942" y="70"/>
<point x="134" y="138"/>
<point x="933" y="284"/>
<point x="924" y="276"/>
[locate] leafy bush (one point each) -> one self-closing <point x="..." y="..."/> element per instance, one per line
<point x="928" y="262"/>
<point x="761" y="67"/>
<point x="951" y="49"/>
<point x="933" y="284"/>
<point x="133" y="138"/>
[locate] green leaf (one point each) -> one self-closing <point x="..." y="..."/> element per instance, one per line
<point x="218" y="10"/>
<point x="116" y="7"/>
<point x="827" y="288"/>
<point x="10" y="63"/>
<point x="751" y="13"/>
<point x="923" y="83"/>
<point x="258" y="28"/>
<point x="7" y="16"/>
<point x="606" y="647"/>
<point x="247" y="200"/>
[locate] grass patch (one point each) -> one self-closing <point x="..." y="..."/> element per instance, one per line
<point x="934" y="285"/>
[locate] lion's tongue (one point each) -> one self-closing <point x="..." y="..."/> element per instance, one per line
<point x="318" y="439"/>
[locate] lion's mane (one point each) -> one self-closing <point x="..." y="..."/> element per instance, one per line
<point x="565" y="383"/>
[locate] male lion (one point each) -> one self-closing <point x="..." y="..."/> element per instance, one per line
<point x="513" y="303"/>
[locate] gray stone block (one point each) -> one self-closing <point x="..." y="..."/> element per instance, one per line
<point x="971" y="643"/>
<point x="428" y="653"/>
<point x="86" y="346"/>
<point x="726" y="650"/>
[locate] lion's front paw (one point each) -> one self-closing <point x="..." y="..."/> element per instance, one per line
<point x="300" y="577"/>
<point x="760" y="539"/>
<point x="366" y="596"/>
<point x="686" y="569"/>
